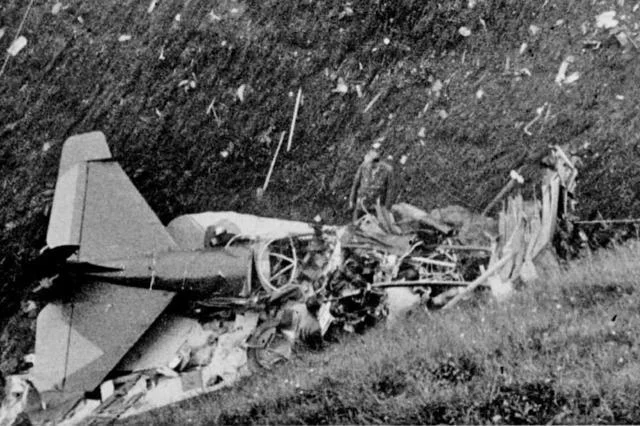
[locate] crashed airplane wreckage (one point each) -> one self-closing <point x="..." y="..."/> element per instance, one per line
<point x="141" y="315"/>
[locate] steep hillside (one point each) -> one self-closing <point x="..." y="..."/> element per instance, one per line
<point x="192" y="96"/>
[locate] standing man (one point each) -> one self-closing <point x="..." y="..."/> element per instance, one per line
<point x="372" y="183"/>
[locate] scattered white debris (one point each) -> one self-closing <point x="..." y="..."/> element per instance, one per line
<point x="422" y="133"/>
<point x="348" y="11"/>
<point x="539" y="112"/>
<point x="523" y="48"/>
<point x="562" y="71"/>
<point x="584" y="28"/>
<point x="514" y="175"/>
<point x="188" y="84"/>
<point x="479" y="94"/>
<point x="443" y="114"/>
<point x="15" y="401"/>
<point x="464" y="31"/>
<point x="240" y="92"/>
<point x="124" y="37"/>
<point x="403" y="160"/>
<point x="152" y="5"/>
<point x="81" y="20"/>
<point x="29" y="306"/>
<point x="107" y="389"/>
<point x="622" y="38"/>
<point x="17" y="45"/>
<point x="359" y="90"/>
<point x="10" y="225"/>
<point x="572" y="78"/>
<point x="524" y="71"/>
<point x="342" y="87"/>
<point x="558" y="23"/>
<point x="55" y="9"/>
<point x="46" y="146"/>
<point x="501" y="290"/>
<point x="620" y="97"/>
<point x="386" y="41"/>
<point x="534" y="29"/>
<point x="177" y="18"/>
<point x="591" y="44"/>
<point x="607" y="20"/>
<point x="376" y="145"/>
<point x="213" y="17"/>
<point x="436" y="88"/>
<point x="224" y="154"/>
<point x="161" y="57"/>
<point x="471" y="4"/>
<point x="483" y="23"/>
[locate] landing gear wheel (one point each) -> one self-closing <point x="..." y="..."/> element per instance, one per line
<point x="277" y="264"/>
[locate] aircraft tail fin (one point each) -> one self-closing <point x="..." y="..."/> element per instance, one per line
<point x="65" y="223"/>
<point x="77" y="149"/>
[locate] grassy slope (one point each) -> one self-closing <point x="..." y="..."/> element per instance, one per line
<point x="565" y="350"/>
<point x="76" y="76"/>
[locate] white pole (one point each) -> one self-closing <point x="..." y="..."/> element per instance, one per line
<point x="293" y="121"/>
<point x="273" y="163"/>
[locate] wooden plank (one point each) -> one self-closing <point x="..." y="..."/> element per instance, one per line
<point x="420" y="283"/>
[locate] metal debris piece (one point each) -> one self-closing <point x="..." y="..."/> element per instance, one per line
<point x="17" y="45"/>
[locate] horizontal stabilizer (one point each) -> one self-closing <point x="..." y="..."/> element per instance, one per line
<point x="79" y="341"/>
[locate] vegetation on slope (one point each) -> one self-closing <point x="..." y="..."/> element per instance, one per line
<point x="75" y="76"/>
<point x="446" y="101"/>
<point x="564" y="351"/>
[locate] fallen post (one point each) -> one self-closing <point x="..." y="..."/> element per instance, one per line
<point x="419" y="283"/>
<point x="606" y="221"/>
<point x="417" y="259"/>
<point x="459" y="248"/>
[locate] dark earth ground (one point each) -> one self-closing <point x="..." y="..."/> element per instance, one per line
<point x="168" y="101"/>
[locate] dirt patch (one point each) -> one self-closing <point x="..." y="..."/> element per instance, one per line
<point x="391" y="383"/>
<point x="456" y="370"/>
<point x="588" y="296"/>
<point x="528" y="403"/>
